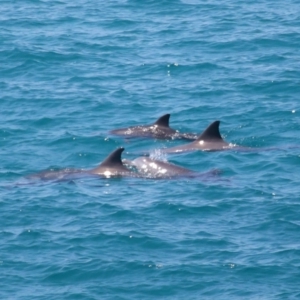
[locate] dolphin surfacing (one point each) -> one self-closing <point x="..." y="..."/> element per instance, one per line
<point x="157" y="169"/>
<point x="112" y="166"/>
<point x="160" y="129"/>
<point x="153" y="168"/>
<point x="209" y="140"/>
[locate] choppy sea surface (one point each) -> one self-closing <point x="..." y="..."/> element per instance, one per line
<point x="72" y="71"/>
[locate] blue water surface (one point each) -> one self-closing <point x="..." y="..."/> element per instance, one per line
<point x="72" y="71"/>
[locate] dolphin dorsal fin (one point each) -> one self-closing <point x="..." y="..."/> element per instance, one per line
<point x="211" y="132"/>
<point x="163" y="120"/>
<point x="113" y="159"/>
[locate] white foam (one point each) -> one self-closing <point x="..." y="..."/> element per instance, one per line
<point x="157" y="154"/>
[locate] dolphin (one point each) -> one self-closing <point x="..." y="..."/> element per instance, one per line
<point x="157" y="169"/>
<point x="209" y="140"/>
<point x="112" y="166"/>
<point x="160" y="129"/>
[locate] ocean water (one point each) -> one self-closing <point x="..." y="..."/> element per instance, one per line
<point x="70" y="72"/>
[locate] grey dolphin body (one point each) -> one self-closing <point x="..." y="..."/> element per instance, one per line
<point x="112" y="166"/>
<point x="158" y="130"/>
<point x="157" y="169"/>
<point x="209" y="140"/>
<point x="153" y="168"/>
